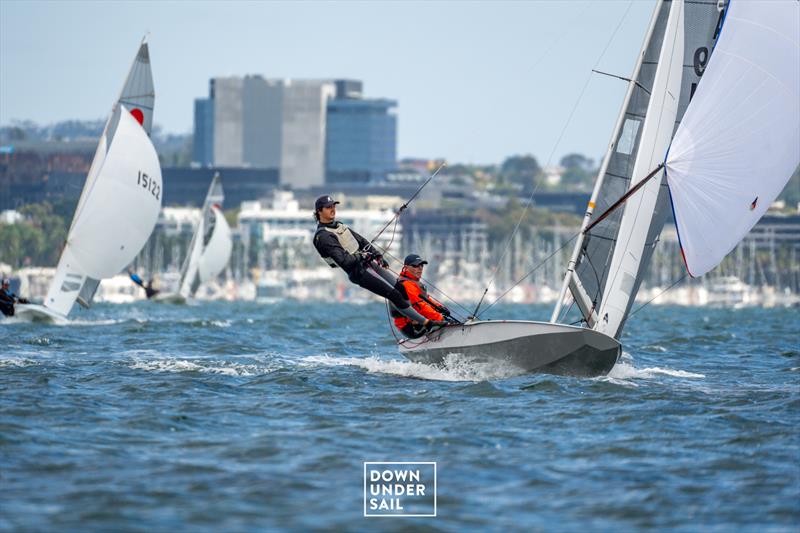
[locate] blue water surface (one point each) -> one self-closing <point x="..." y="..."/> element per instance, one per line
<point x="246" y="417"/>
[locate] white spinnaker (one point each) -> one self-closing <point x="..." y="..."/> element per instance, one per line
<point x="117" y="217"/>
<point x="655" y="138"/>
<point x="739" y="142"/>
<point x="218" y="250"/>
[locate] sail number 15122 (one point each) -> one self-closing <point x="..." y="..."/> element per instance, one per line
<point x="150" y="184"/>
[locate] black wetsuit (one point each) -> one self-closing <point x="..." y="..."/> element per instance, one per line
<point x="149" y="291"/>
<point x="367" y="274"/>
<point x="7" y="301"/>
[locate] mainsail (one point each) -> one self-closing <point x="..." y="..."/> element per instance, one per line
<point x="211" y="244"/>
<point x="740" y="140"/>
<point x="609" y="262"/>
<point x="120" y="200"/>
<point x="106" y="205"/>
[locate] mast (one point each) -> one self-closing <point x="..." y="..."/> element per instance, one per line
<point x="641" y="211"/>
<point x="570" y="281"/>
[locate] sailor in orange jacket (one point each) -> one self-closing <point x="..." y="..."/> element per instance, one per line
<point x="408" y="285"/>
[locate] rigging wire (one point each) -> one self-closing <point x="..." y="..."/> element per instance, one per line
<point x="385" y="251"/>
<point x="549" y="159"/>
<point x="656" y="296"/>
<point x="429" y="284"/>
<point x="405" y="205"/>
<point x="534" y="269"/>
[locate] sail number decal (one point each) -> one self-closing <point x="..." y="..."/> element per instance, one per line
<point x="149" y="184"/>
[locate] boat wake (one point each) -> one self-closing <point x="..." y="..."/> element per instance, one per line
<point x="453" y="369"/>
<point x="624" y="373"/>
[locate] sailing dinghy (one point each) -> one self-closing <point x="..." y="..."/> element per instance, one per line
<point x="733" y="151"/>
<point x="209" y="251"/>
<point x="119" y="204"/>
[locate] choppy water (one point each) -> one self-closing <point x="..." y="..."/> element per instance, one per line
<point x="245" y="417"/>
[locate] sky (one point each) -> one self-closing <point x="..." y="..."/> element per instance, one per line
<point x="475" y="81"/>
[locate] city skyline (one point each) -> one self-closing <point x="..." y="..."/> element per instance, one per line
<point x="475" y="82"/>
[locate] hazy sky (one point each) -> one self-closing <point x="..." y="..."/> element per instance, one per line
<point x="475" y="81"/>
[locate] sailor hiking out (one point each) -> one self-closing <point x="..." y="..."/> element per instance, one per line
<point x="8" y="298"/>
<point x="342" y="247"/>
<point x="409" y="285"/>
<point x="149" y="291"/>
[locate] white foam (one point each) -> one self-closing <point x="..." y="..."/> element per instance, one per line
<point x="225" y="368"/>
<point x="106" y="322"/>
<point x="19" y="362"/>
<point x="624" y="371"/>
<point x="453" y="368"/>
<point x="655" y="348"/>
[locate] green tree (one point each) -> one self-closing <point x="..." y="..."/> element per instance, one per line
<point x="520" y="170"/>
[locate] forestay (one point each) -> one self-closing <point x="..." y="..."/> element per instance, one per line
<point x="739" y="142"/>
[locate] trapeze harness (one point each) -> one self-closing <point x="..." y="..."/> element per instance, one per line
<point x="346" y="240"/>
<point x="367" y="274"/>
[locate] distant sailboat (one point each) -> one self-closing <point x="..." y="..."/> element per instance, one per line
<point x="209" y="251"/>
<point x="119" y="204"/>
<point x="738" y="140"/>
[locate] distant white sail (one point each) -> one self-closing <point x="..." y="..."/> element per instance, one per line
<point x="218" y="250"/>
<point x="210" y="249"/>
<point x="739" y="142"/>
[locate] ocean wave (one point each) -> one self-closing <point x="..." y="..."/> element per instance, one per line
<point x="105" y="322"/>
<point x="625" y="371"/>
<point x="17" y="362"/>
<point x="453" y="369"/>
<point x="225" y="368"/>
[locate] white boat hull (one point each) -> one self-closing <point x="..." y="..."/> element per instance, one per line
<point x="169" y="298"/>
<point x="38" y="313"/>
<point x="530" y="346"/>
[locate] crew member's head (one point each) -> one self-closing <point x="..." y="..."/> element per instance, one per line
<point x="413" y="264"/>
<point x="6" y="283"/>
<point x="325" y="209"/>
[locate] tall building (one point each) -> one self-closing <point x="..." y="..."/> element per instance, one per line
<point x="203" y="139"/>
<point x="312" y="131"/>
<point x="361" y="141"/>
<point x="265" y="123"/>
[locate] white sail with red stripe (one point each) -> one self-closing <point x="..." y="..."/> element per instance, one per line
<point x="121" y="198"/>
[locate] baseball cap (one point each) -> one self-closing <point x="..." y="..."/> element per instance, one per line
<point x="324" y="201"/>
<point x="414" y="260"/>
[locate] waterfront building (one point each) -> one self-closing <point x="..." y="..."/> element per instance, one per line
<point x="361" y="140"/>
<point x="265" y="123"/>
<point x="310" y="131"/>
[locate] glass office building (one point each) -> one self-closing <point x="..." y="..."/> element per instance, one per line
<point x="361" y="140"/>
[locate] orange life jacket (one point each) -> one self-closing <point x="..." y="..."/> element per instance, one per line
<point x="417" y="295"/>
